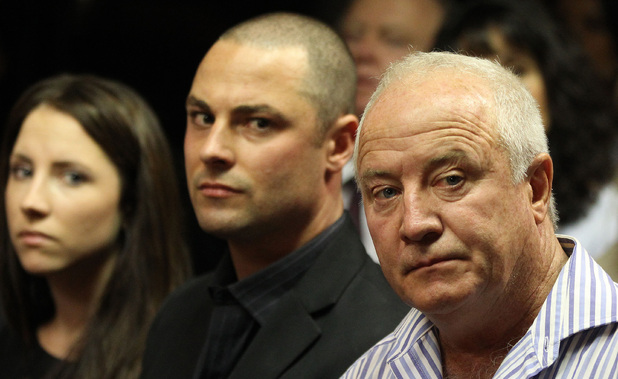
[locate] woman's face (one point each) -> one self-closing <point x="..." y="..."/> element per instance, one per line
<point x="520" y="61"/>
<point x="62" y="195"/>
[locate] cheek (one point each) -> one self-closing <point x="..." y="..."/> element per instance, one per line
<point x="191" y="153"/>
<point x="536" y="86"/>
<point x="389" y="55"/>
<point x="95" y="224"/>
<point x="97" y="230"/>
<point x="384" y="232"/>
<point x="12" y="201"/>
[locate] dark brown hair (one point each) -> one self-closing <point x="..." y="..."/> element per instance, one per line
<point x="153" y="258"/>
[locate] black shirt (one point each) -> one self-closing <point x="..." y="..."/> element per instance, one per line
<point x="21" y="361"/>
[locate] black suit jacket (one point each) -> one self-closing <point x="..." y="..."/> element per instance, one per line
<point x="340" y="308"/>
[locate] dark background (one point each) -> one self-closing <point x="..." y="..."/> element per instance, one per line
<point x="154" y="46"/>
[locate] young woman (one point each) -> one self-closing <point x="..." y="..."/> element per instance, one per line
<point x="91" y="234"/>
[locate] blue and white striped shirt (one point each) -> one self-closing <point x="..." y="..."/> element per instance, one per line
<point x="575" y="334"/>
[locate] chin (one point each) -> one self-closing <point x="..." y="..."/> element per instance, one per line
<point x="221" y="228"/>
<point x="40" y="267"/>
<point x="437" y="298"/>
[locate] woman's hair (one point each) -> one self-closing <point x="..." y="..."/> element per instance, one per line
<point x="582" y="130"/>
<point x="153" y="257"/>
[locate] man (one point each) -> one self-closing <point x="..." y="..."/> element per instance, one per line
<point x="379" y="32"/>
<point x="269" y="127"/>
<point x="456" y="180"/>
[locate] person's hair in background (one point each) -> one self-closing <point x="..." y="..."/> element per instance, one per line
<point x="591" y="23"/>
<point x="578" y="116"/>
<point x="152" y="258"/>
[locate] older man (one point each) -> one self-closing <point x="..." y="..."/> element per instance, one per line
<point x="456" y="180"/>
<point x="269" y="128"/>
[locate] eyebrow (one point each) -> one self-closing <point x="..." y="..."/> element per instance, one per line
<point x="372" y="173"/>
<point x="241" y="109"/>
<point x="452" y="156"/>
<point x="195" y="102"/>
<point x="61" y="164"/>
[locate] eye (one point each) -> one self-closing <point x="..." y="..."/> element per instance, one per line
<point x="260" y="123"/>
<point x="453" y="180"/>
<point x="397" y="42"/>
<point x="353" y="33"/>
<point x="386" y="193"/>
<point x="201" y="118"/>
<point x="74" y="178"/>
<point x="20" y="171"/>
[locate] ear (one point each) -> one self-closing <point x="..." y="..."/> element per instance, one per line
<point x="340" y="142"/>
<point x="540" y="176"/>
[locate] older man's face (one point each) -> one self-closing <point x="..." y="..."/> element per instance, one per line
<point x="447" y="221"/>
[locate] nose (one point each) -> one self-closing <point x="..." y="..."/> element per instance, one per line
<point x="217" y="149"/>
<point x="421" y="222"/>
<point x="36" y="202"/>
<point x="363" y="48"/>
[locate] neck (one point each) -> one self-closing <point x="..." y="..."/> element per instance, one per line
<point x="250" y="255"/>
<point x="76" y="292"/>
<point x="477" y="344"/>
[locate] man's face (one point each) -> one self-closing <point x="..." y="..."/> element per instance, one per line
<point x="380" y="32"/>
<point x="449" y="225"/>
<point x="253" y="160"/>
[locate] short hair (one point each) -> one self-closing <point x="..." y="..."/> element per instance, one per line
<point x="152" y="257"/>
<point x="330" y="83"/>
<point x="519" y="125"/>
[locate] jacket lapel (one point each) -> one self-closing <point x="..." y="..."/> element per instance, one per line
<point x="279" y="342"/>
<point x="292" y="329"/>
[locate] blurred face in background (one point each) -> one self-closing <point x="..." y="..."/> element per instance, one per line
<point x="379" y="32"/>
<point x="588" y="21"/>
<point x="62" y="195"/>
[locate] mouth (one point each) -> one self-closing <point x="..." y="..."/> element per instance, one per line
<point x="432" y="263"/>
<point x="217" y="190"/>
<point x="33" y="238"/>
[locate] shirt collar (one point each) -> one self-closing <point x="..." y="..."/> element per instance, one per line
<point x="584" y="296"/>
<point x="259" y="292"/>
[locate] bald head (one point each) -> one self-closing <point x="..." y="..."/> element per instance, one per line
<point x="330" y="83"/>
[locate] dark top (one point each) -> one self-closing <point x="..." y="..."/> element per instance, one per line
<point x="241" y="306"/>
<point x="19" y="361"/>
<point x="337" y="310"/>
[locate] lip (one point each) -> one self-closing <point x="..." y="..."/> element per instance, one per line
<point x="217" y="190"/>
<point x="33" y="238"/>
<point x="430" y="263"/>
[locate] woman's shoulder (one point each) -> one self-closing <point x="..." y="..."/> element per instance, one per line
<point x="18" y="359"/>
